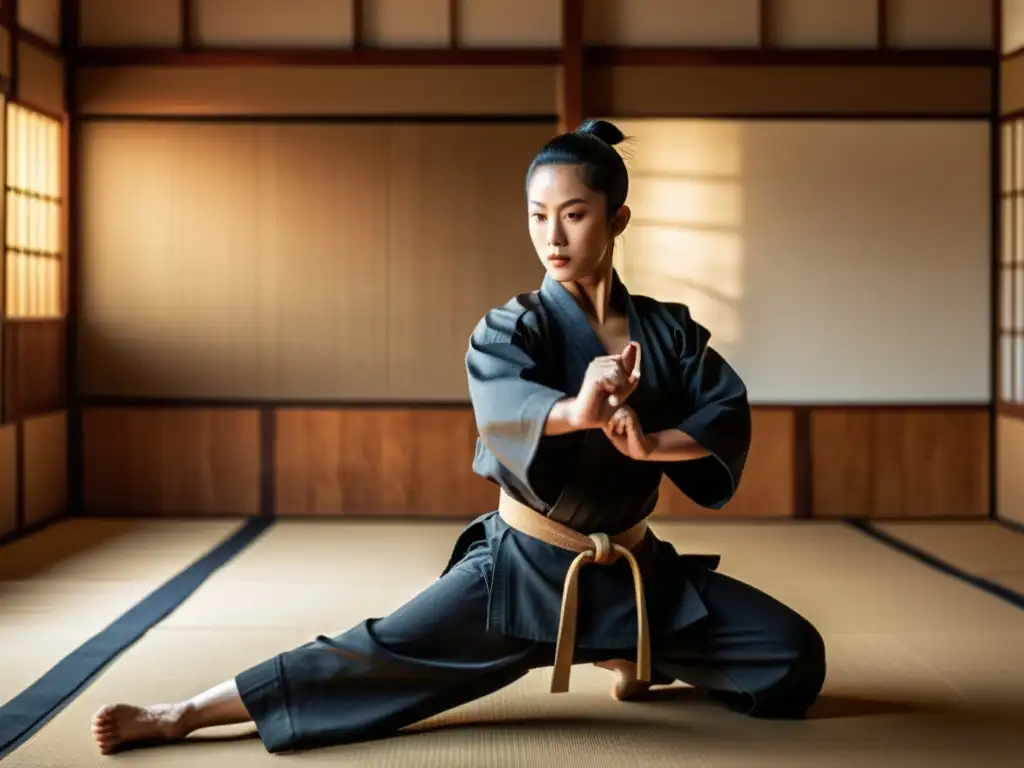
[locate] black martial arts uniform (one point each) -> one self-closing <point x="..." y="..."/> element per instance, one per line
<point x="494" y="613"/>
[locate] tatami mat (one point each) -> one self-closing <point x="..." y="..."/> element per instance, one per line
<point x="923" y="669"/>
<point x="62" y="585"/>
<point x="982" y="548"/>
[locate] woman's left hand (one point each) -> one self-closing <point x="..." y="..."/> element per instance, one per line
<point x="625" y="433"/>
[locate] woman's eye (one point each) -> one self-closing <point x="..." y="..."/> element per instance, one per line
<point x="575" y="216"/>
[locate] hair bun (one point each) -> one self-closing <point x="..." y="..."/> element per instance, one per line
<point x="603" y="130"/>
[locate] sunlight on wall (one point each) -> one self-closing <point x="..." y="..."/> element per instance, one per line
<point x="684" y="241"/>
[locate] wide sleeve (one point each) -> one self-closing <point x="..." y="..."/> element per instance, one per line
<point x="717" y="417"/>
<point x="510" y="404"/>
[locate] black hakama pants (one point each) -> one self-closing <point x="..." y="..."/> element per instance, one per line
<point x="434" y="653"/>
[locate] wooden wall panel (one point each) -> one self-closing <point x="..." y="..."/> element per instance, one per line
<point x="406" y="23"/>
<point x="33" y="367"/>
<point x="417" y="462"/>
<point x="44" y="464"/>
<point x="1010" y="468"/>
<point x="40" y="79"/>
<point x="661" y="91"/>
<point x="929" y="462"/>
<point x="390" y="462"/>
<point x="446" y="270"/>
<point x="814" y="24"/>
<point x="654" y="23"/>
<point x="767" y="488"/>
<point x="8" y="478"/>
<point x="5" y="52"/>
<point x="940" y="23"/>
<point x="171" y="461"/>
<point x="350" y="90"/>
<point x="119" y="22"/>
<point x="271" y="23"/>
<point x="273" y="228"/>
<point x="1011" y="82"/>
<point x="504" y="23"/>
<point x="41" y="17"/>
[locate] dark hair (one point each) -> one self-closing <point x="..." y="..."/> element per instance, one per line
<point x="591" y="147"/>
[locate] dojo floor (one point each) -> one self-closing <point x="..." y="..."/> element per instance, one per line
<point x="924" y="669"/>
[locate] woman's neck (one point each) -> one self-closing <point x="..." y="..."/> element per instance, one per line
<point x="594" y="292"/>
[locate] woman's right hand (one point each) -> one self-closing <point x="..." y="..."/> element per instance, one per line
<point x="607" y="384"/>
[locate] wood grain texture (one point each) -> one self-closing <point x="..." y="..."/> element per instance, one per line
<point x="171" y="461"/>
<point x="403" y="461"/>
<point x="316" y="261"/>
<point x="767" y="486"/>
<point x="661" y="91"/>
<point x="1010" y="468"/>
<point x="8" y="479"/>
<point x="892" y="462"/>
<point x="34" y="380"/>
<point x="44" y="467"/>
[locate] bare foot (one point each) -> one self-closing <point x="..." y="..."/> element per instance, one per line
<point x="120" y="724"/>
<point x="627" y="687"/>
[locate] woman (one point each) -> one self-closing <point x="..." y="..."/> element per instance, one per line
<point x="585" y="396"/>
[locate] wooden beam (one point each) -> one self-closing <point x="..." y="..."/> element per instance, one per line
<point x="571" y="108"/>
<point x="997" y="226"/>
<point x="331" y="57"/>
<point x="453" y="24"/>
<point x="188" y="25"/>
<point x="357" y="24"/>
<point x="591" y="56"/>
<point x="883" y="24"/>
<point x="11" y="20"/>
<point x="70" y="10"/>
<point x="693" y="57"/>
<point x="27" y="36"/>
<point x="767" y="36"/>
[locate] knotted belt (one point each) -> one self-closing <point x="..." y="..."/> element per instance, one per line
<point x="599" y="549"/>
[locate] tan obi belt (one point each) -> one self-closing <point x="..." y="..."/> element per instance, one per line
<point x="597" y="548"/>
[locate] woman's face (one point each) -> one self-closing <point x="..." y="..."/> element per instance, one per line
<point x="568" y="223"/>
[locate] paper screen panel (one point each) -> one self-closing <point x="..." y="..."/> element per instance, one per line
<point x="800" y="245"/>
<point x="33" y="226"/>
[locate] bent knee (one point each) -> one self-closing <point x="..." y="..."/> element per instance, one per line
<point x="798" y="688"/>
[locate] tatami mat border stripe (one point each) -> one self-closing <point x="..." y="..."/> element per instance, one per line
<point x="997" y="590"/>
<point x="30" y="710"/>
<point x="1011" y="525"/>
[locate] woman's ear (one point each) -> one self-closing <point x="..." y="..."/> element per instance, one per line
<point x="620" y="220"/>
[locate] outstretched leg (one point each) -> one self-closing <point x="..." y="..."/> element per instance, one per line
<point x="432" y="654"/>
